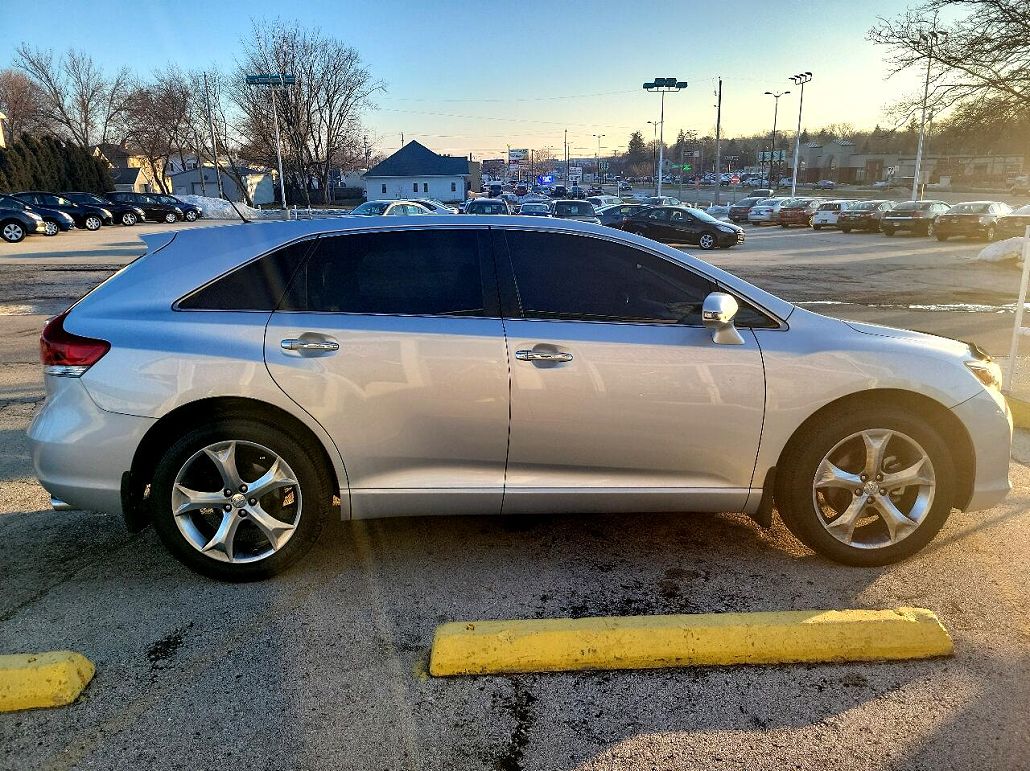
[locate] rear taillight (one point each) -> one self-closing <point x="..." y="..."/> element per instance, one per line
<point x="65" y="354"/>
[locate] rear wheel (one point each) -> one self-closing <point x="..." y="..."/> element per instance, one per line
<point x="191" y="216"/>
<point x="129" y="218"/>
<point x="238" y="499"/>
<point x="170" y="217"/>
<point x="817" y="227"/>
<point x="868" y="486"/>
<point x="706" y="241"/>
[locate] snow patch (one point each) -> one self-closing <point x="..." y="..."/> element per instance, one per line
<point x="220" y="209"/>
<point x="999" y="251"/>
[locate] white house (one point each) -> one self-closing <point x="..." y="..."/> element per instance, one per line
<point x="415" y="171"/>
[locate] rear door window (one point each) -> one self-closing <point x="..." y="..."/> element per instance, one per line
<point x="257" y="286"/>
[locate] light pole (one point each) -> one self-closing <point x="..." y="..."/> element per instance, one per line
<point x="279" y="80"/>
<point x="799" y="80"/>
<point x="597" y="160"/>
<point x="663" y="86"/>
<point x="776" y="113"/>
<point x="654" y="154"/>
<point x="931" y="37"/>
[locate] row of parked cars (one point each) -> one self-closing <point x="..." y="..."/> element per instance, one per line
<point x="660" y="218"/>
<point x="40" y="212"/>
<point x="986" y="220"/>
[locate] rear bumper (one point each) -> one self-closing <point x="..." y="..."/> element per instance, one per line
<point x="989" y="422"/>
<point x="80" y="451"/>
<point x="961" y="229"/>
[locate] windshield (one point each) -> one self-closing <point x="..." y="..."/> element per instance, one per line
<point x="866" y="205"/>
<point x="829" y="207"/>
<point x="703" y="215"/>
<point x="970" y="208"/>
<point x="574" y="209"/>
<point x="488" y="208"/>
<point x="535" y="208"/>
<point x="913" y="206"/>
<point x="371" y="207"/>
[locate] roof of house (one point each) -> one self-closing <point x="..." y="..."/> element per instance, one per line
<point x="125" y="176"/>
<point x="244" y="171"/>
<point x="112" y="152"/>
<point x="416" y="160"/>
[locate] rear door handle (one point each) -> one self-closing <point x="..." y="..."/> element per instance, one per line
<point x="293" y="344"/>
<point x="543" y="356"/>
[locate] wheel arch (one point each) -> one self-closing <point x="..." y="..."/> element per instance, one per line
<point x="936" y="414"/>
<point x="136" y="481"/>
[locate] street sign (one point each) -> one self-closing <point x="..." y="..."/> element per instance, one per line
<point x="517" y="155"/>
<point x="735" y="180"/>
<point x="603" y="165"/>
<point x="575" y="173"/>
<point x="767" y="155"/>
<point x="267" y="79"/>
<point x="687" y="167"/>
<point x="892" y="170"/>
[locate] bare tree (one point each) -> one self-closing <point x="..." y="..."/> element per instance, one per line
<point x="19" y="101"/>
<point x="320" y="114"/>
<point x="981" y="67"/>
<point x="76" y="97"/>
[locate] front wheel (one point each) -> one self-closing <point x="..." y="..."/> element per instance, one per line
<point x="238" y="499"/>
<point x="706" y="241"/>
<point x="129" y="218"/>
<point x="93" y="222"/>
<point x="191" y="216"/>
<point x="170" y="217"/>
<point x="51" y="228"/>
<point x="868" y="486"/>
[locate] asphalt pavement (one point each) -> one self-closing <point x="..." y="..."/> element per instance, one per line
<point x="325" y="666"/>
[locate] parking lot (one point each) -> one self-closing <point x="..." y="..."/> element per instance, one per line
<point x="327" y="665"/>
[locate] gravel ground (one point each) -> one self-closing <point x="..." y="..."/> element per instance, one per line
<point x="325" y="667"/>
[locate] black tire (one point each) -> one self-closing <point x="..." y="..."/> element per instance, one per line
<point x="12" y="231"/>
<point x="52" y="228"/>
<point x="129" y="218"/>
<point x="887" y="231"/>
<point x="941" y="236"/>
<point x="191" y="216"/>
<point x="92" y="222"/>
<point x="845" y="230"/>
<point x="817" y="227"/>
<point x="803" y="455"/>
<point x="312" y="477"/>
<point x="707" y="241"/>
<point x="170" y="217"/>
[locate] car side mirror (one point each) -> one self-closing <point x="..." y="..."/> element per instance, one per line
<point x="717" y="313"/>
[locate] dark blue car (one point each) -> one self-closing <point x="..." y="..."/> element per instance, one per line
<point x="55" y="221"/>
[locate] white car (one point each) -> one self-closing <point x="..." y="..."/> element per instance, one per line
<point x="603" y="200"/>
<point x="437" y="207"/>
<point x="766" y="211"/>
<point x="826" y="215"/>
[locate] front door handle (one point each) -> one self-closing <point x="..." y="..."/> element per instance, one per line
<point x="293" y="344"/>
<point x="543" y="356"/>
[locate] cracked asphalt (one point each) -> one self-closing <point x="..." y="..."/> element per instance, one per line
<point x="325" y="666"/>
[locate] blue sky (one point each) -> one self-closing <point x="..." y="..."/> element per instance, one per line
<point x="478" y="76"/>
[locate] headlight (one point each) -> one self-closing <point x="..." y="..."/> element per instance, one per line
<point x="33" y="216"/>
<point x="106" y="212"/>
<point x="178" y="210"/>
<point x="987" y="372"/>
<point x="985" y="220"/>
<point x="67" y="218"/>
<point x="725" y="229"/>
<point x="139" y="211"/>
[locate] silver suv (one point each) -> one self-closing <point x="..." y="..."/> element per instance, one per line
<point x="239" y="385"/>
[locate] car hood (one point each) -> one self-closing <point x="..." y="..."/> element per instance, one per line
<point x="944" y="344"/>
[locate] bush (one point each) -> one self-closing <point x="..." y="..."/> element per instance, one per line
<point x="48" y="163"/>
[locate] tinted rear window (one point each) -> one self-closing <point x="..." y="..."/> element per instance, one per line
<point x="257" y="286"/>
<point x="584" y="209"/>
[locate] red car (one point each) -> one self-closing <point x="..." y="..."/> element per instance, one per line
<point x="798" y="211"/>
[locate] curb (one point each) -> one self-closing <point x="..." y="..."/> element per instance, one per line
<point x="647" y="642"/>
<point x="1020" y="411"/>
<point x="51" y="679"/>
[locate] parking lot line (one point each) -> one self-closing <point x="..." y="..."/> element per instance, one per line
<point x="51" y="679"/>
<point x="648" y="642"/>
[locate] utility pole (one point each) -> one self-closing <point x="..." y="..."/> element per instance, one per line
<point x="799" y="80"/>
<point x="930" y="38"/>
<point x="663" y="86"/>
<point x="214" y="144"/>
<point x="718" y="146"/>
<point x="566" y="161"/>
<point x="654" y="155"/>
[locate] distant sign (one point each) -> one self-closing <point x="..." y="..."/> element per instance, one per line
<point x="545" y="179"/>
<point x="271" y="79"/>
<point x="735" y="180"/>
<point x="892" y="170"/>
<point x="515" y="156"/>
<point x="769" y="155"/>
<point x="575" y="173"/>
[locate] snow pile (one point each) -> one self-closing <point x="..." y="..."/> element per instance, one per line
<point x="999" y="251"/>
<point x="220" y="209"/>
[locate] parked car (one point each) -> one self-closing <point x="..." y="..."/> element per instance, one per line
<point x="798" y="211"/>
<point x="739" y="209"/>
<point x="16" y="221"/>
<point x="125" y="213"/>
<point x="863" y="215"/>
<point x="559" y="191"/>
<point x="536" y="209"/>
<point x="763" y="193"/>
<point x="388" y="208"/>
<point x="683" y="225"/>
<point x="826" y="215"/>
<point x="914" y="216"/>
<point x="662" y="200"/>
<point x="825" y="184"/>
<point x="597" y="201"/>
<point x="766" y="211"/>
<point x="1020" y="184"/>
<point x="973" y="219"/>
<point x="152" y="208"/>
<point x="582" y="211"/>
<point x="1015" y="223"/>
<point x="488" y="206"/>
<point x="85" y="216"/>
<point x="190" y="212"/>
<point x="521" y="189"/>
<point x="658" y="383"/>
<point x="717" y="210"/>
<point x="616" y="214"/>
<point x="625" y="187"/>
<point x="55" y="221"/>
<point x="576" y="192"/>
<point x="436" y="207"/>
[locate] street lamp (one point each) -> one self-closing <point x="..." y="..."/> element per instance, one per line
<point x="597" y="159"/>
<point x="799" y="80"/>
<point x="274" y="81"/>
<point x="654" y="154"/>
<point x="663" y="86"/>
<point x="776" y="113"/>
<point x="931" y="37"/>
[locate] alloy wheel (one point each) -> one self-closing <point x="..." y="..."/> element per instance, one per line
<point x="170" y="217"/>
<point x="707" y="241"/>
<point x="93" y="223"/>
<point x="128" y="218"/>
<point x="874" y="488"/>
<point x="13" y="232"/>
<point x="236" y="501"/>
<point x="51" y="228"/>
<point x="191" y="216"/>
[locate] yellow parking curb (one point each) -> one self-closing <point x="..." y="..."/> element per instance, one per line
<point x="644" y="642"/>
<point x="1020" y="411"/>
<point x="52" y="679"/>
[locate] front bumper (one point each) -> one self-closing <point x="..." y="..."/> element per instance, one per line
<point x="80" y="451"/>
<point x="988" y="420"/>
